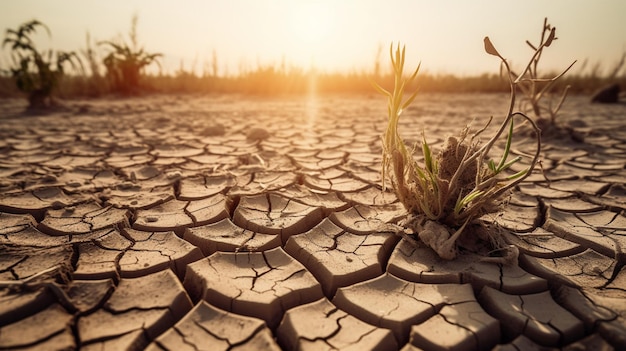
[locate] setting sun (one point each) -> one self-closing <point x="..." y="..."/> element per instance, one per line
<point x="311" y="23"/>
<point x="312" y="174"/>
<point x="334" y="36"/>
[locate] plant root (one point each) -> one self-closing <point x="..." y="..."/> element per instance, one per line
<point x="509" y="257"/>
<point x="437" y="237"/>
<point x="473" y="236"/>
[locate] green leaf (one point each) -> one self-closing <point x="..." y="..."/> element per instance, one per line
<point x="428" y="159"/>
<point x="517" y="175"/>
<point x="510" y="163"/>
<point x="507" y="148"/>
<point x="425" y="207"/>
<point x="466" y="200"/>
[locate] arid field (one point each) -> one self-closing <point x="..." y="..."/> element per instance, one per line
<point x="232" y="222"/>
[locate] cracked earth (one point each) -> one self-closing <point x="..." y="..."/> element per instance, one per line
<point x="239" y="223"/>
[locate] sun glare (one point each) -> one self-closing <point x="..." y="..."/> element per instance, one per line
<point x="311" y="23"/>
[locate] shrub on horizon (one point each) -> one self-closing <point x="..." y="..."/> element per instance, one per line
<point x="36" y="73"/>
<point x="538" y="95"/>
<point x="124" y="63"/>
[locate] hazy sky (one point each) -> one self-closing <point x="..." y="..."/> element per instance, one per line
<point x="446" y="36"/>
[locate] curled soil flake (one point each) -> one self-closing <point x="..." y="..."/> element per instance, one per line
<point x="437" y="237"/>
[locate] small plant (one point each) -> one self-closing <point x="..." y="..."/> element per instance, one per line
<point x="36" y="73"/>
<point x="536" y="88"/>
<point x="125" y="63"/>
<point x="452" y="190"/>
<point x="95" y="84"/>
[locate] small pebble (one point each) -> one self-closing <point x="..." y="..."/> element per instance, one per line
<point x="174" y="175"/>
<point x="257" y="134"/>
<point x="57" y="205"/>
<point x="214" y="130"/>
<point x="49" y="178"/>
<point x="126" y="185"/>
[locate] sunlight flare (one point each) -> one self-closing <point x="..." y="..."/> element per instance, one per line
<point x="311" y="21"/>
<point x="311" y="24"/>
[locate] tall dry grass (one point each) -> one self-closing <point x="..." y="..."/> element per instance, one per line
<point x="267" y="80"/>
<point x="278" y="78"/>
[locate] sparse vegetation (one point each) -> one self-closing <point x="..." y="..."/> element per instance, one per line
<point x="124" y="63"/>
<point x="538" y="92"/>
<point x="36" y="73"/>
<point x="449" y="192"/>
<point x="93" y="84"/>
<point x="124" y="70"/>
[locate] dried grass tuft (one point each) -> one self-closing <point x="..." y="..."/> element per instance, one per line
<point x="452" y="190"/>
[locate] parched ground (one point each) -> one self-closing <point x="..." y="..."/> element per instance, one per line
<point x="239" y="223"/>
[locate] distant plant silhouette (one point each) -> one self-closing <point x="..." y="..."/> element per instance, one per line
<point x="124" y="63"/>
<point x="537" y="91"/>
<point x="95" y="84"/>
<point x="36" y="73"/>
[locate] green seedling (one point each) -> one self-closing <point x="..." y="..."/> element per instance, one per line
<point x="538" y="95"/>
<point x="452" y="190"/>
<point x="125" y="63"/>
<point x="36" y="73"/>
